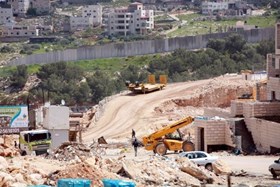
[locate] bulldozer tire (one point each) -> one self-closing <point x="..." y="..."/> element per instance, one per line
<point x="188" y="146"/>
<point x="160" y="149"/>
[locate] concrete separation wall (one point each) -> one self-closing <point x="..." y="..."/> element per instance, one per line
<point x="138" y="47"/>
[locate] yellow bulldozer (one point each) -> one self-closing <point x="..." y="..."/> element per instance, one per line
<point x="150" y="86"/>
<point x="169" y="138"/>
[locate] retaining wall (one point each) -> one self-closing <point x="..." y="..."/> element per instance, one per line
<point x="261" y="109"/>
<point x="265" y="133"/>
<point x="139" y="47"/>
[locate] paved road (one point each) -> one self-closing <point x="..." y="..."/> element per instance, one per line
<point x="257" y="165"/>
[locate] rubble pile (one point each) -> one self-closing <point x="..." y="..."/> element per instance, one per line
<point x="8" y="151"/>
<point x="155" y="171"/>
<point x="18" y="174"/>
<point x="69" y="151"/>
<point x="81" y="170"/>
<point x="7" y="148"/>
<point x="161" y="171"/>
<point x="94" y="168"/>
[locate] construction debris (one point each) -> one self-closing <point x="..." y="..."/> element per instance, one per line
<point x="71" y="151"/>
<point x="8" y="151"/>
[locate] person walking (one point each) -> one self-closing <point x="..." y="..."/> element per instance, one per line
<point x="135" y="144"/>
<point x="133" y="133"/>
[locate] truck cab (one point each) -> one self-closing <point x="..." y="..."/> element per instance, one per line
<point x="34" y="141"/>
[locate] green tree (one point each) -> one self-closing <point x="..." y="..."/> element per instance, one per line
<point x="217" y="45"/>
<point x="19" y="76"/>
<point x="234" y="43"/>
<point x="265" y="47"/>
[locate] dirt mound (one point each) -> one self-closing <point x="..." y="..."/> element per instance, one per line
<point x="215" y="94"/>
<point x="82" y="170"/>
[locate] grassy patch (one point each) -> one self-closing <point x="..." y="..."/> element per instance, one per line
<point x="112" y="65"/>
<point x="208" y="26"/>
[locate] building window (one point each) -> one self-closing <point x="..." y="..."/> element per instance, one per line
<point x="273" y="62"/>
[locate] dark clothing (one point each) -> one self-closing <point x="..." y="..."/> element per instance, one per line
<point x="133" y="133"/>
<point x="135" y="144"/>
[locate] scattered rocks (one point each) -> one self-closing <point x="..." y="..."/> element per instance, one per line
<point x="71" y="151"/>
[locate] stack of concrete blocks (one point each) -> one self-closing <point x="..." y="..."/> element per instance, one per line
<point x="265" y="133"/>
<point x="261" y="109"/>
<point x="216" y="132"/>
<point x="236" y="108"/>
<point x="56" y="120"/>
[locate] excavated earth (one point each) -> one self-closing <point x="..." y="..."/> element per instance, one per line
<point x="114" y="118"/>
<point x="146" y="112"/>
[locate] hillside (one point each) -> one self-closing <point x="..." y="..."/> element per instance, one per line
<point x="146" y="112"/>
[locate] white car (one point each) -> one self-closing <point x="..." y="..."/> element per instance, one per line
<point x="275" y="168"/>
<point x="201" y="158"/>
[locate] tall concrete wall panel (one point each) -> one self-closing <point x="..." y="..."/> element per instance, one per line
<point x="138" y="47"/>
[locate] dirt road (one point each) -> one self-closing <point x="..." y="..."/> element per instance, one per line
<point x="137" y="111"/>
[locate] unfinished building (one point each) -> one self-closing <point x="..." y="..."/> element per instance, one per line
<point x="255" y="123"/>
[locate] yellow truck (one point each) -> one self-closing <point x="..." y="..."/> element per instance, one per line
<point x="150" y="86"/>
<point x="169" y="138"/>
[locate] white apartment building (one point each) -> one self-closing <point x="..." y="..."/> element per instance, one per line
<point x="91" y="16"/>
<point x="80" y="23"/>
<point x="93" y="11"/>
<point x="6" y="15"/>
<point x="131" y="20"/>
<point x="210" y="7"/>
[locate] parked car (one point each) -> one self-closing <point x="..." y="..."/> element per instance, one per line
<point x="201" y="158"/>
<point x="275" y="168"/>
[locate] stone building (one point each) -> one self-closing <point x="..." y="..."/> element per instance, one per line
<point x="253" y="125"/>
<point x="6" y="14"/>
<point x="20" y="7"/>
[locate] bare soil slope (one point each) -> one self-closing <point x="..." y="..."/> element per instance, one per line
<point x="146" y="112"/>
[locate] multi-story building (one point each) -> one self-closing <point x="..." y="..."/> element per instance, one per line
<point x="20" y="7"/>
<point x="80" y="23"/>
<point x="94" y="12"/>
<point x="18" y="31"/>
<point x="211" y="7"/>
<point x="84" y="2"/>
<point x="91" y="16"/>
<point x="227" y="7"/>
<point x="41" y="6"/>
<point x="131" y="20"/>
<point x="6" y="14"/>
<point x="273" y="68"/>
